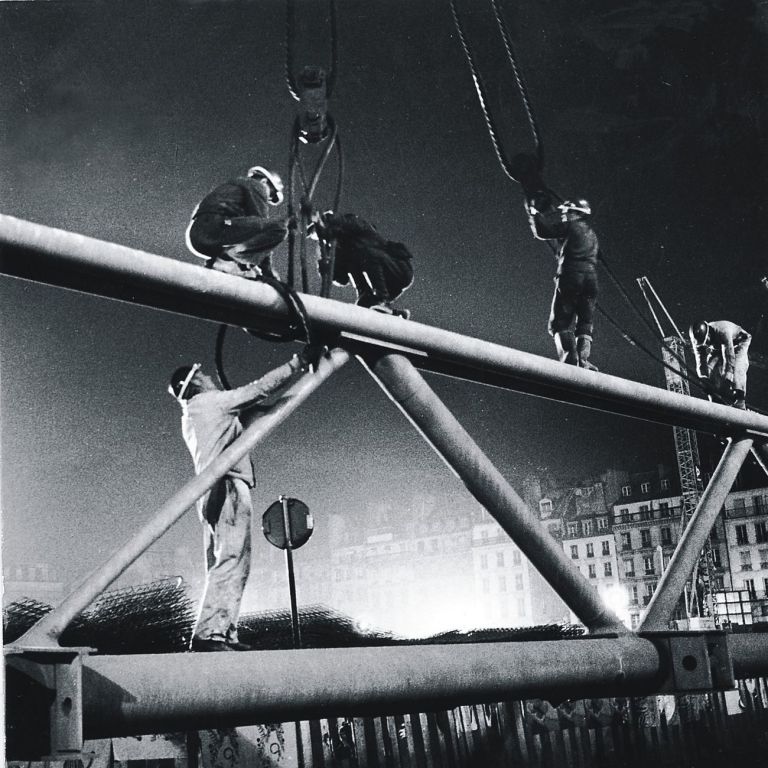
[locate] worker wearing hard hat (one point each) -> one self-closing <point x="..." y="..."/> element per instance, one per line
<point x="231" y="228"/>
<point x="721" y="350"/>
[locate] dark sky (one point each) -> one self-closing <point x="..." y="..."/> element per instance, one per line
<point x="117" y="117"/>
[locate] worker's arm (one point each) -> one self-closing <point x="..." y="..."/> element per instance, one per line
<point x="244" y="397"/>
<point x="700" y="353"/>
<point x="547" y="225"/>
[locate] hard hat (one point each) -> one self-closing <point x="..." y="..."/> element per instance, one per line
<point x="578" y="206"/>
<point x="699" y="332"/>
<point x="272" y="179"/>
<point x="180" y="380"/>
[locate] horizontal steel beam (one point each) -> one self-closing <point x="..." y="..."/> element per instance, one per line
<point x="162" y="693"/>
<point x="68" y="260"/>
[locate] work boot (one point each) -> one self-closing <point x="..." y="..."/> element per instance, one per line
<point x="565" y="343"/>
<point x="208" y="644"/>
<point x="584" y="348"/>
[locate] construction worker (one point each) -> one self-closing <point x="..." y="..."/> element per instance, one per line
<point x="210" y="422"/>
<point x="231" y="229"/>
<point x="380" y="269"/>
<point x="721" y="350"/>
<point x="576" y="279"/>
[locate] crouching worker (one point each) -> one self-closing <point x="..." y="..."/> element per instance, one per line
<point x="379" y="269"/>
<point x="231" y="228"/>
<point x="210" y="422"/>
<point x="721" y="351"/>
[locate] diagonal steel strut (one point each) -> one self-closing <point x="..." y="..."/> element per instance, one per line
<point x="694" y="537"/>
<point x="440" y="428"/>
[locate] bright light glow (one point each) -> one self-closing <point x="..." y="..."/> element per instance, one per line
<point x="615" y="598"/>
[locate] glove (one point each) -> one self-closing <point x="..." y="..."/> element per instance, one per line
<point x="310" y="356"/>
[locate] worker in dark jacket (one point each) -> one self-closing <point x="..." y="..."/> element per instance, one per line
<point x="576" y="279"/>
<point x="380" y="269"/>
<point x="721" y="351"/>
<point x="231" y="227"/>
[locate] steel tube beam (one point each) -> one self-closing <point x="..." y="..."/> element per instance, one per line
<point x="68" y="260"/>
<point x="694" y="537"/>
<point x="47" y="631"/>
<point x="439" y="427"/>
<point x="172" y="692"/>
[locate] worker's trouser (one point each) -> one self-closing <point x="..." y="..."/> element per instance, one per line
<point x="716" y="365"/>
<point x="227" y="511"/>
<point x="575" y="298"/>
<point x="210" y="234"/>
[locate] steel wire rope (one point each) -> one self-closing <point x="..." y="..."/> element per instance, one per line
<point x="290" y="42"/>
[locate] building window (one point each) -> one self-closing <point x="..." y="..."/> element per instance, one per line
<point x="575" y="551"/>
<point x="607" y="569"/>
<point x="483" y="561"/>
<point x="714" y="534"/>
<point x="586" y="527"/>
<point x="545" y="507"/>
<point x="626" y="540"/>
<point x="759" y="502"/>
<point x="749" y="585"/>
<point x="502" y="583"/>
<point x="663" y="509"/>
<point x="716" y="561"/>
<point x="519" y="582"/>
<point x="650" y="588"/>
<point x="626" y="490"/>
<point x="648" y="566"/>
<point x="602" y="523"/>
<point x="761" y="532"/>
<point x="665" y="484"/>
<point x="590" y="549"/>
<point x="634" y="620"/>
<point x="500" y="559"/>
<point x="624" y="515"/>
<point x="592" y="571"/>
<point x="632" y="594"/>
<point x="763" y="555"/>
<point x="645" y="512"/>
<point x="629" y="567"/>
<point x="666" y="536"/>
<point x="645" y="487"/>
<point x="606" y="547"/>
<point x="573" y="529"/>
<point x="742" y="537"/>
<point x="765" y="586"/>
<point x="746" y="560"/>
<point x="645" y="537"/>
<point x="517" y="557"/>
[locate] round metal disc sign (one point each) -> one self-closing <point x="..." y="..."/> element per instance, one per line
<point x="291" y="514"/>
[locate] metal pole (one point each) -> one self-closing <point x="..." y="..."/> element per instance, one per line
<point x="146" y="693"/>
<point x="694" y="537"/>
<point x="439" y="427"/>
<point x="296" y="631"/>
<point x="47" y="631"/>
<point x="56" y="257"/>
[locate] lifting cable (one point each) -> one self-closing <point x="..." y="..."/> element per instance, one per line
<point x="314" y="126"/>
<point x="482" y="92"/>
<point x="299" y="329"/>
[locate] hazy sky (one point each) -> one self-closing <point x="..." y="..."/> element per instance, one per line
<point x="116" y="119"/>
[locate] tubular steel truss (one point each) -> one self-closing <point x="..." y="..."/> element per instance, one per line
<point x="74" y="695"/>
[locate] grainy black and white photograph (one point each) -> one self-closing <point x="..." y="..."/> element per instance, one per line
<point x="413" y="354"/>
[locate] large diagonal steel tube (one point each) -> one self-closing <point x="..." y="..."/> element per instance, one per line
<point x="440" y="428"/>
<point x="694" y="537"/>
<point x="68" y="260"/>
<point x="47" y="631"/>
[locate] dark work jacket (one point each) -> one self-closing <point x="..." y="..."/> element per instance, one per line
<point x="578" y="244"/>
<point x="242" y="196"/>
<point x="356" y="242"/>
